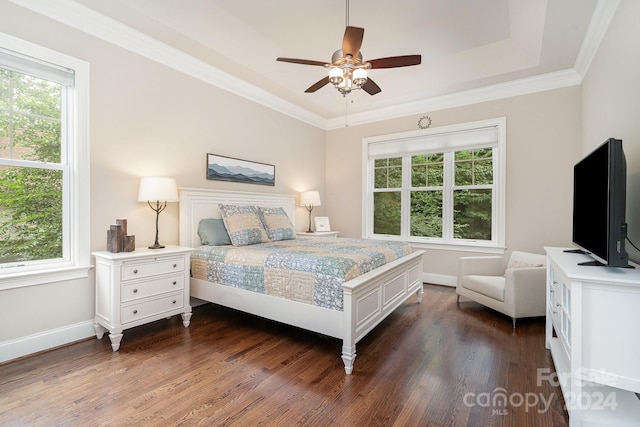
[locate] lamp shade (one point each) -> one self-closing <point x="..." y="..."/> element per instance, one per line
<point x="310" y="198"/>
<point x="157" y="189"/>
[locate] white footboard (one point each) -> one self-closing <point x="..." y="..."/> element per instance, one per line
<point x="370" y="298"/>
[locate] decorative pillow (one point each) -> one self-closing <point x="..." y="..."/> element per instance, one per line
<point x="520" y="264"/>
<point x="277" y="224"/>
<point x="243" y="225"/>
<point x="212" y="232"/>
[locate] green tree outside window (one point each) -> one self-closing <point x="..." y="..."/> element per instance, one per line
<point x="30" y="189"/>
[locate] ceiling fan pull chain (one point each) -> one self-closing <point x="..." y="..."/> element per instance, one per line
<point x="346" y="112"/>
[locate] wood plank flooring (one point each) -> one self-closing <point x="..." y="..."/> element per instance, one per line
<point x="431" y="364"/>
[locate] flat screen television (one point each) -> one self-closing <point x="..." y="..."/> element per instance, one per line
<point x="599" y="203"/>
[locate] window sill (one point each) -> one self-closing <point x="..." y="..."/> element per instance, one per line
<point x="41" y="277"/>
<point x="485" y="249"/>
<point x="468" y="246"/>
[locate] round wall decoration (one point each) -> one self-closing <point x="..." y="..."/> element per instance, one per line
<point x="424" y="122"/>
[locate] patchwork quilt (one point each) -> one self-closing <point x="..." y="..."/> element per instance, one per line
<point x="305" y="270"/>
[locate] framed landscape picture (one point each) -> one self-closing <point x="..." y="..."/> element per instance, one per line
<point x="223" y="168"/>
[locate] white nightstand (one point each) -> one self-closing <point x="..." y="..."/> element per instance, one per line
<point x="134" y="288"/>
<point x="331" y="234"/>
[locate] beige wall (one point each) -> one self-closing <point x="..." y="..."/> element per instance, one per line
<point x="611" y="103"/>
<point x="148" y="119"/>
<point x="543" y="143"/>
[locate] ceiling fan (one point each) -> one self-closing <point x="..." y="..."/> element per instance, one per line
<point x="347" y="69"/>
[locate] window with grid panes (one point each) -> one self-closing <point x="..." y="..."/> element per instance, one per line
<point x="43" y="165"/>
<point x="444" y="187"/>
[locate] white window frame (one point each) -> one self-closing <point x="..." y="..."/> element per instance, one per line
<point x="399" y="144"/>
<point x="76" y="205"/>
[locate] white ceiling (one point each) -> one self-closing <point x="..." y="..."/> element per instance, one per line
<point x="465" y="44"/>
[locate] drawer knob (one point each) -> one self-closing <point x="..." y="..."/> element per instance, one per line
<point x="175" y="265"/>
<point x="174" y="301"/>
<point x="135" y="291"/>
<point x="135" y="271"/>
<point x="174" y="282"/>
<point x="135" y="311"/>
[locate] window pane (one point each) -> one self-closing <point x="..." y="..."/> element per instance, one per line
<point x="30" y="117"/>
<point x="36" y="138"/>
<point x="426" y="213"/>
<point x="35" y="96"/>
<point x="386" y="212"/>
<point x="388" y="173"/>
<point x="427" y="171"/>
<point x="472" y="214"/>
<point x="30" y="214"/>
<point x="474" y="167"/>
<point x="484" y="172"/>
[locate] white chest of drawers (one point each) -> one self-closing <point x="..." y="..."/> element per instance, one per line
<point x="134" y="288"/>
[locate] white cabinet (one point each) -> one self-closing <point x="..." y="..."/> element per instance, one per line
<point x="134" y="288"/>
<point x="593" y="333"/>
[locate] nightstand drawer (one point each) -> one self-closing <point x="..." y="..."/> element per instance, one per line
<point x="138" y="269"/>
<point x="150" y="308"/>
<point x="156" y="286"/>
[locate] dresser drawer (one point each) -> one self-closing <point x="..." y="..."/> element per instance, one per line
<point x="141" y="310"/>
<point x="150" y="287"/>
<point x="139" y="269"/>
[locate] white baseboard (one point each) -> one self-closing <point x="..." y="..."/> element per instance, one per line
<point x="45" y="340"/>
<point x="439" y="279"/>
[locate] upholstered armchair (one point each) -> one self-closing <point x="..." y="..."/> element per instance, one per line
<point x="514" y="286"/>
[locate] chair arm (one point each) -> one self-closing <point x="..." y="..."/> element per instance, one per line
<point x="525" y="290"/>
<point x="491" y="265"/>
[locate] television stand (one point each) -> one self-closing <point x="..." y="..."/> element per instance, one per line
<point x="592" y="340"/>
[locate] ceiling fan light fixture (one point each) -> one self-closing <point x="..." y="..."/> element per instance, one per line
<point x="335" y="75"/>
<point x="359" y="76"/>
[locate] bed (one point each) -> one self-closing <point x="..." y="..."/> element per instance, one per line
<point x="366" y="299"/>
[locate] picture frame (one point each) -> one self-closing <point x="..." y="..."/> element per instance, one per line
<point x="223" y="168"/>
<point x="322" y="223"/>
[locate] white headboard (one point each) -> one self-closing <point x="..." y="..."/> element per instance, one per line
<point x="197" y="204"/>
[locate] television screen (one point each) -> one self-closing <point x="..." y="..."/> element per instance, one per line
<point x="599" y="201"/>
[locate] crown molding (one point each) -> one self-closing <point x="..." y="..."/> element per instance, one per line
<point x="598" y="26"/>
<point x="82" y="18"/>
<point x="543" y="82"/>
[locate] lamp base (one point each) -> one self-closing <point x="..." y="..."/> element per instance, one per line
<point x="156" y="246"/>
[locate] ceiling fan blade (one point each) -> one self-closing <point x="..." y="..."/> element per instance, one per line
<point x="396" y="61"/>
<point x="352" y="41"/>
<point x="302" y="61"/>
<point x="371" y="87"/>
<point x="320" y="83"/>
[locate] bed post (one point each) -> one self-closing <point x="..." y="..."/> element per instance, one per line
<point x="349" y="337"/>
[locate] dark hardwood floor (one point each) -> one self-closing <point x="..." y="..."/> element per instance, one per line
<point x="430" y="364"/>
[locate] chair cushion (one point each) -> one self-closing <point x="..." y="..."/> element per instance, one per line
<point x="490" y="286"/>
